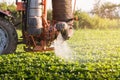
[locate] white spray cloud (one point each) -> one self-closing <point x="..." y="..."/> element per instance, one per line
<point x="62" y="49"/>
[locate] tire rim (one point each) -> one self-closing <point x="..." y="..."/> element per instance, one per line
<point x="3" y="39"/>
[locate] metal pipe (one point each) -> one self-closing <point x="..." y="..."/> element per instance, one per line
<point x="45" y="9"/>
<point x="74" y="6"/>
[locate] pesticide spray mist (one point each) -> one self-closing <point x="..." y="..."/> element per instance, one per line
<point x="62" y="49"/>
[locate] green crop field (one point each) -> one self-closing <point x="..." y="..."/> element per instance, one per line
<point x="96" y="56"/>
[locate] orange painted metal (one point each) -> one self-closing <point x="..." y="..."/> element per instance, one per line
<point x="20" y="6"/>
<point x="45" y="9"/>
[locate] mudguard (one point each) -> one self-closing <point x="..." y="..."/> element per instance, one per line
<point x="5" y="13"/>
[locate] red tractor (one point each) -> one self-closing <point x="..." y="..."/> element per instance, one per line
<point x="37" y="32"/>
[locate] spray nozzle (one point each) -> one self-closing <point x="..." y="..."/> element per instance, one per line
<point x="64" y="29"/>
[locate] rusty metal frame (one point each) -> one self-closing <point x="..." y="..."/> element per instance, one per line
<point x="40" y="42"/>
<point x="31" y="40"/>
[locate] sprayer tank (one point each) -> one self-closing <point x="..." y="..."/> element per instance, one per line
<point x="34" y="17"/>
<point x="62" y="10"/>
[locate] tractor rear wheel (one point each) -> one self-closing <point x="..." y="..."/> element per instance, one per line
<point x="8" y="37"/>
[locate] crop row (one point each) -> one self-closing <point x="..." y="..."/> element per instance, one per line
<point x="96" y="56"/>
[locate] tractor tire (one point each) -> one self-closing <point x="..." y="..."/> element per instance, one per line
<point x="8" y="37"/>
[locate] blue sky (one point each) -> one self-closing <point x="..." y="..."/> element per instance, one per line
<point x="84" y="5"/>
